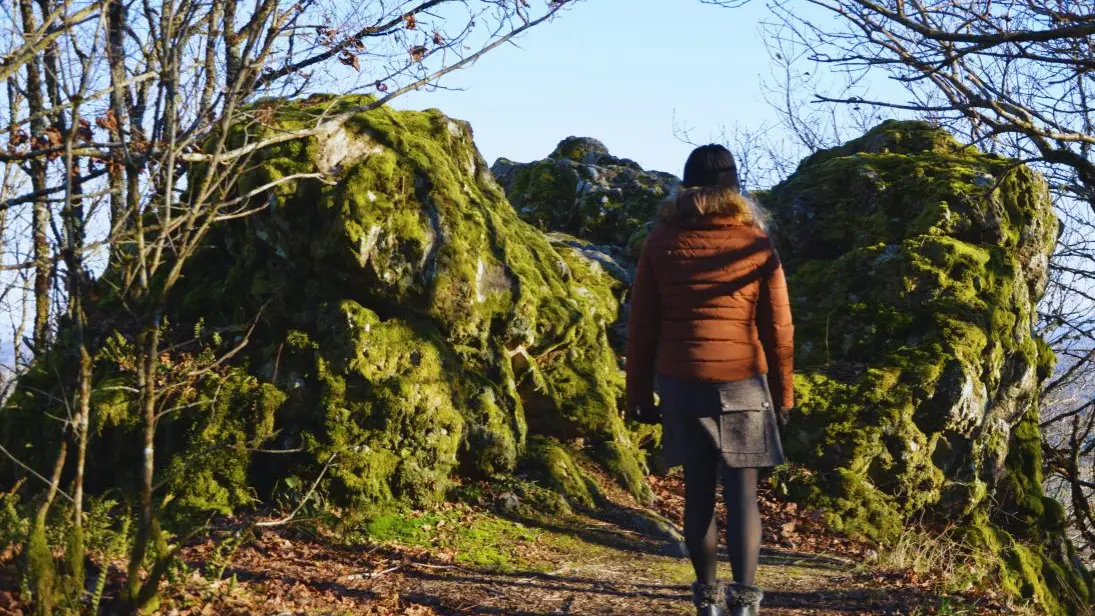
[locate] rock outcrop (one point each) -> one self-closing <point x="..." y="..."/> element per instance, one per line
<point x="915" y="266"/>
<point x="582" y="190"/>
<point x="412" y="328"/>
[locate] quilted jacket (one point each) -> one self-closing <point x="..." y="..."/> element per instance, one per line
<point x="710" y="303"/>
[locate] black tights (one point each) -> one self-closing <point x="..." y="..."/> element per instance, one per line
<point x="739" y="490"/>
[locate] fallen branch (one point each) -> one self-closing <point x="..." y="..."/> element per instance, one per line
<point x="311" y="491"/>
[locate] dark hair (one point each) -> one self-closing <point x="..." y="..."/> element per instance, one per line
<point x="709" y="166"/>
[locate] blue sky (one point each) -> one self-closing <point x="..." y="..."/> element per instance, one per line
<point x="617" y="70"/>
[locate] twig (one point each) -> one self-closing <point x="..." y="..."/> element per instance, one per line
<point x="33" y="473"/>
<point x="429" y="566"/>
<point x="370" y="575"/>
<point x="311" y="490"/>
<point x="341" y="118"/>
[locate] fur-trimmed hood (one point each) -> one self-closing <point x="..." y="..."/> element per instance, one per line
<point x="720" y="202"/>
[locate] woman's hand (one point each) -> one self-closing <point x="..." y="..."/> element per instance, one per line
<point x="784" y="416"/>
<point x="649" y="415"/>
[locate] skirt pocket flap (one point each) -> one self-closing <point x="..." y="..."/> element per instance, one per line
<point x="751" y="395"/>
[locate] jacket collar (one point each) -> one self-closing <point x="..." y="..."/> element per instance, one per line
<point x="720" y="221"/>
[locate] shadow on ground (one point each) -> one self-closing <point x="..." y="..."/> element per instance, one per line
<point x="614" y="526"/>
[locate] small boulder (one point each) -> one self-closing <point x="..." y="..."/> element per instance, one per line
<point x="584" y="191"/>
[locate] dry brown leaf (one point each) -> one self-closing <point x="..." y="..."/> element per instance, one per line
<point x="84" y="130"/>
<point x="18" y="138"/>
<point x="265" y="115"/>
<point x="53" y="136"/>
<point x="107" y="121"/>
<point x="349" y="59"/>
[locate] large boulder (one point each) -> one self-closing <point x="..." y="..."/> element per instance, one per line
<point x="410" y="327"/>
<point x="915" y="265"/>
<point x="582" y="190"/>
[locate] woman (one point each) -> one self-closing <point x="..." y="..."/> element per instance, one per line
<point x="711" y="321"/>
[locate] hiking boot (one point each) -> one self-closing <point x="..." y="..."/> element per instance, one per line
<point x="708" y="599"/>
<point x="743" y="600"/>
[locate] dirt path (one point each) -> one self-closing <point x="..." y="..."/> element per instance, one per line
<point x="602" y="571"/>
<point x="612" y="582"/>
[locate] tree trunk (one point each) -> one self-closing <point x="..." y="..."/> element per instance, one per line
<point x="147" y="530"/>
<point x="43" y="262"/>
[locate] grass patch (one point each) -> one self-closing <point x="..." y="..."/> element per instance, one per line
<point x="952" y="564"/>
<point x="456" y="534"/>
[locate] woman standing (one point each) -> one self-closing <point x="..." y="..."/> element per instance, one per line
<point x="711" y="322"/>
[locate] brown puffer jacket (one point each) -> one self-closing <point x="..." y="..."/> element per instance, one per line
<point x="709" y="302"/>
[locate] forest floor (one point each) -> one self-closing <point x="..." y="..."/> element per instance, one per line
<point x="490" y="559"/>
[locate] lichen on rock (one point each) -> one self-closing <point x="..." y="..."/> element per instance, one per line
<point x="583" y="191"/>
<point x="915" y="264"/>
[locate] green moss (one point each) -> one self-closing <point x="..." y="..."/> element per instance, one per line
<point x="619" y="460"/>
<point x="1030" y="512"/>
<point x="409" y="320"/>
<point x="491" y="442"/>
<point x="1047" y="360"/>
<point x="41" y="569"/>
<point x="210" y="443"/>
<point x="1028" y="569"/>
<point x="914" y="267"/>
<point x="579" y="149"/>
<point x="412" y="326"/>
<point x="1024" y="577"/>
<point x="891" y="136"/>
<point x="473" y="539"/>
<point x="553" y="465"/>
<point x="388" y="406"/>
<point x="112" y="405"/>
<point x="397" y="527"/>
<point x="210" y="418"/>
<point x="582" y="190"/>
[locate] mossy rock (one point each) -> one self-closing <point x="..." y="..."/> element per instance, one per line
<point x="210" y="422"/>
<point x="585" y="150"/>
<point x="553" y="465"/>
<point x="915" y="265"/>
<point x="412" y="326"/>
<point x="583" y="191"/>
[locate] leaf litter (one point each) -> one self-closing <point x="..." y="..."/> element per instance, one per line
<point x="583" y="563"/>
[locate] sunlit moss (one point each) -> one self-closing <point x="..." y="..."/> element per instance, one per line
<point x="408" y="326"/>
<point x="582" y="190"/>
<point x="914" y="266"/>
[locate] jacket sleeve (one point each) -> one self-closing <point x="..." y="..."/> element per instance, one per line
<point x="642" y="334"/>
<point x="776" y="330"/>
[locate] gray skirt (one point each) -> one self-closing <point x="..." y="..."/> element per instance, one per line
<point x="735" y="420"/>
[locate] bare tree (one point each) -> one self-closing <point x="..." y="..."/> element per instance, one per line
<point x="123" y="149"/>
<point x="1068" y="324"/>
<point x="1017" y="74"/>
